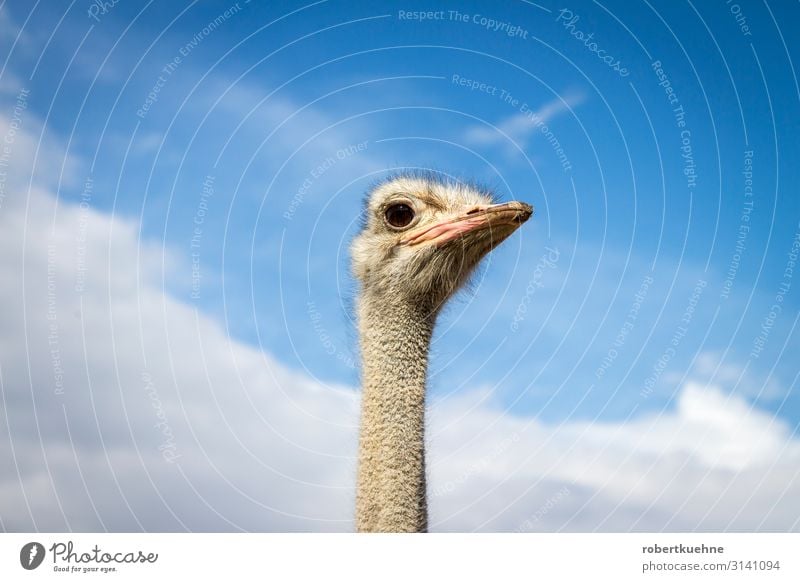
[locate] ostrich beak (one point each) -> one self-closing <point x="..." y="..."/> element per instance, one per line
<point x="506" y="218"/>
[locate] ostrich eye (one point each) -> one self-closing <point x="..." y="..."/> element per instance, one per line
<point x="399" y="215"/>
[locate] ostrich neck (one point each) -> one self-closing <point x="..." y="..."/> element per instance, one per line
<point x="395" y="338"/>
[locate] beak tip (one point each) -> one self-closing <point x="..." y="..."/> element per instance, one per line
<point x="524" y="212"/>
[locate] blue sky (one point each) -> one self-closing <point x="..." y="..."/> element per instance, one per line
<point x="289" y="114"/>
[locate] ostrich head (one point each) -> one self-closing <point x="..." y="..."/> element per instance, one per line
<point x="423" y="237"/>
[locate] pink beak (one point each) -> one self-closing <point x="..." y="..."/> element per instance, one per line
<point x="511" y="214"/>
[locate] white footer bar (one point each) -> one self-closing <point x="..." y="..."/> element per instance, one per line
<point x="350" y="557"/>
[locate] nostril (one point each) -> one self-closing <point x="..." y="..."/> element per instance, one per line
<point x="474" y="210"/>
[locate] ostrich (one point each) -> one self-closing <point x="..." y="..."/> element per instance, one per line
<point x="422" y="238"/>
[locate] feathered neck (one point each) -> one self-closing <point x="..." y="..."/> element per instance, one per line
<point x="395" y="338"/>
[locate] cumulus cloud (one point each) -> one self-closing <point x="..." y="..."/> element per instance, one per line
<point x="125" y="409"/>
<point x="712" y="463"/>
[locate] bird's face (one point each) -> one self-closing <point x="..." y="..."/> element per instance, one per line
<point x="423" y="237"/>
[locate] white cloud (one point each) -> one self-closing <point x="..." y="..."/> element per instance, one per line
<point x="262" y="447"/>
<point x="682" y="469"/>
<point x="711" y="366"/>
<point x="34" y="160"/>
<point x="257" y="443"/>
<point x="520" y="126"/>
